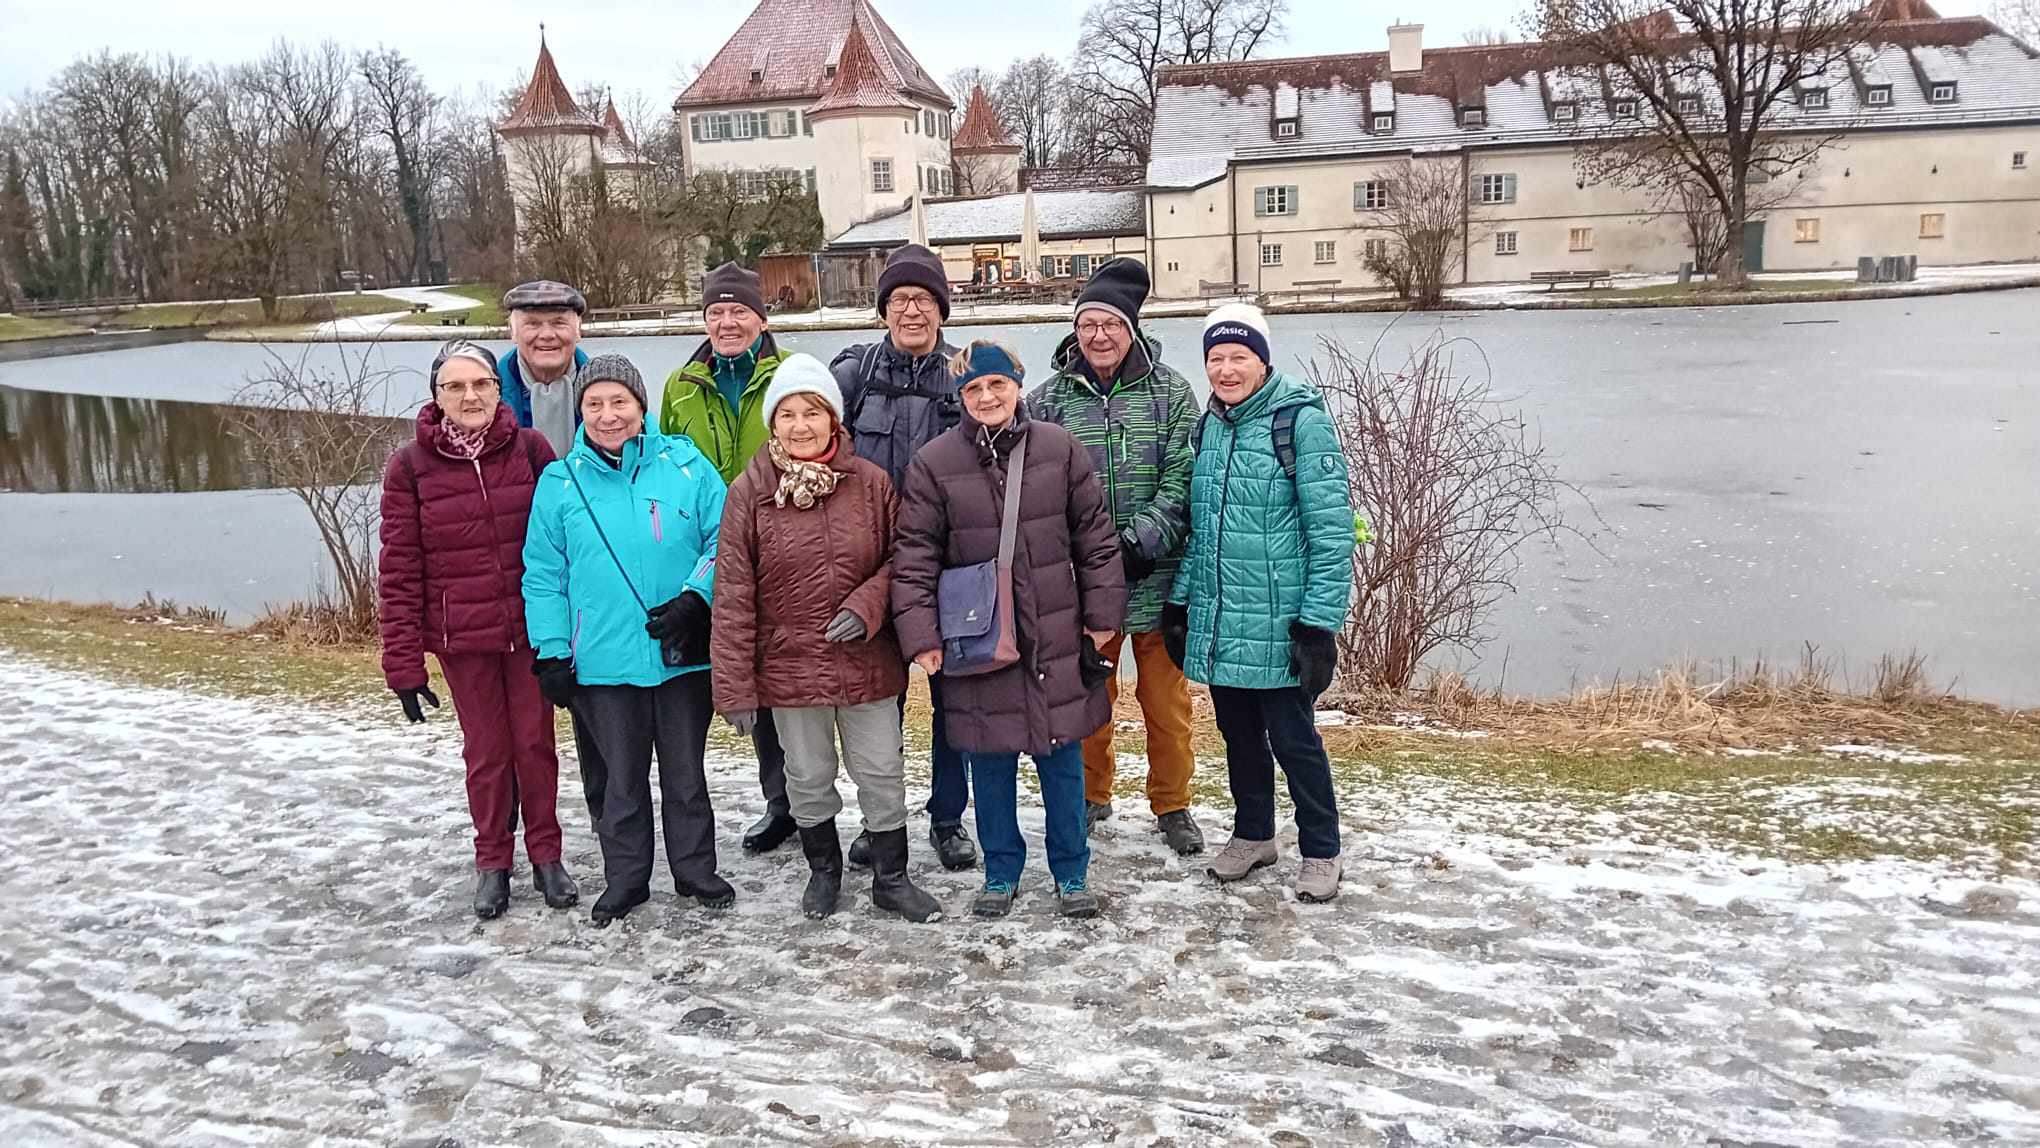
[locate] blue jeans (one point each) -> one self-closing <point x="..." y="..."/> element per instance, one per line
<point x="997" y="777"/>
<point x="948" y="779"/>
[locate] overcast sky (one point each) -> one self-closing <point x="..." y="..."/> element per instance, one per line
<point x="630" y="44"/>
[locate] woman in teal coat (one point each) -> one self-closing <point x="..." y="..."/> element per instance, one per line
<point x="619" y="566"/>
<point x="1262" y="592"/>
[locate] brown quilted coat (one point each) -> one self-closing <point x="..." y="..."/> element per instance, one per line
<point x="1067" y="578"/>
<point x="782" y="573"/>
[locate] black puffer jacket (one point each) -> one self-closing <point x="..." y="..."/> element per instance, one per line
<point x="895" y="403"/>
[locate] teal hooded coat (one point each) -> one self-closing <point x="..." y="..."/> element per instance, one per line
<point x="661" y="511"/>
<point x="1264" y="551"/>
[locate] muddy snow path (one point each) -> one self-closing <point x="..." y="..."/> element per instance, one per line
<point x="229" y="923"/>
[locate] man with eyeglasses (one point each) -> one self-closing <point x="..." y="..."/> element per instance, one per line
<point x="898" y="396"/>
<point x="537" y="371"/>
<point x="1111" y="390"/>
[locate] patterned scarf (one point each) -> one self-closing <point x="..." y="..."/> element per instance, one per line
<point x="805" y="481"/>
<point x="464" y="443"/>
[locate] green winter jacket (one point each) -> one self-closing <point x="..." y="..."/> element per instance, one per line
<point x="1264" y="551"/>
<point x="695" y="407"/>
<point x="1139" y="439"/>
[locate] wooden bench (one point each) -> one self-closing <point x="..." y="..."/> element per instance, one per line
<point x="455" y="319"/>
<point x="1303" y="287"/>
<point x="1551" y="279"/>
<point x="420" y="308"/>
<point x="1206" y="288"/>
<point x="631" y="311"/>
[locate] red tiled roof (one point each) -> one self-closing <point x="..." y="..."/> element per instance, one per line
<point x="613" y="130"/>
<point x="790" y="43"/>
<point x="982" y="129"/>
<point x="546" y="102"/>
<point x="858" y="84"/>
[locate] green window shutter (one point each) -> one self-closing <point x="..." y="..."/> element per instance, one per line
<point x="1260" y="201"/>
<point x="1080" y="266"/>
<point x="1291" y="206"/>
<point x="1048" y="267"/>
<point x="1509" y="189"/>
<point x="694" y="127"/>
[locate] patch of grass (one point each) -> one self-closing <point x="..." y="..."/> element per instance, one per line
<point x="290" y="313"/>
<point x="24" y="327"/>
<point x="1707" y="290"/>
<point x="488" y="309"/>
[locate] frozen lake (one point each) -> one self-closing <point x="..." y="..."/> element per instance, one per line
<point x="1856" y="476"/>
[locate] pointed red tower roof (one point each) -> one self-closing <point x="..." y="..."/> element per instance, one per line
<point x="860" y="84"/>
<point x="982" y="130"/>
<point x="547" y="105"/>
<point x="613" y="131"/>
<point x="785" y="50"/>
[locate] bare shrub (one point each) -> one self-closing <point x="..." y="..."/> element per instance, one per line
<point x="1453" y="486"/>
<point x="1425" y="216"/>
<point x="323" y="435"/>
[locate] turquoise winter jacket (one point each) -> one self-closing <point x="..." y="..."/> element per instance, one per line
<point x="1264" y="551"/>
<point x="662" y="511"/>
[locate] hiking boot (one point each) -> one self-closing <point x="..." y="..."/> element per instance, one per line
<point x="616" y="902"/>
<point x="1318" y="879"/>
<point x="859" y="855"/>
<point x="712" y="891"/>
<point x="824" y="854"/>
<point x="1181" y="831"/>
<point x="1077" y="901"/>
<point x="995" y="899"/>
<point x="492" y="893"/>
<point x="769" y="832"/>
<point x="953" y="846"/>
<point x="1094" y="812"/>
<point x="1240" y="857"/>
<point x="557" y="885"/>
<point x="890" y="888"/>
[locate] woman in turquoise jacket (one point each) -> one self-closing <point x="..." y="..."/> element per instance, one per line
<point x="1262" y="592"/>
<point x="619" y="566"/>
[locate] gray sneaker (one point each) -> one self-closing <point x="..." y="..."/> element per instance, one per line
<point x="1181" y="831"/>
<point x="1094" y="812"/>
<point x="1318" y="879"/>
<point x="1240" y="857"/>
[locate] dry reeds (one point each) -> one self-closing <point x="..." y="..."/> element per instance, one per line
<point x="326" y="621"/>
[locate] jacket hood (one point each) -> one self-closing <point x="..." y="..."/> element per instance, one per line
<point x="679" y="448"/>
<point x="887" y="351"/>
<point x="1141" y="357"/>
<point x="1000" y="442"/>
<point x="705" y="353"/>
<point x="1278" y="392"/>
<point x="430" y="428"/>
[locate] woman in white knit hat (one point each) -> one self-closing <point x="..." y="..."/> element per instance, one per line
<point x="802" y="627"/>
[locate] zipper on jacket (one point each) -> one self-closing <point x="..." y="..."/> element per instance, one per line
<point x="574" y="644"/>
<point x="445" y="623"/>
<point x="658" y="532"/>
<point x="1218" y="547"/>
<point x="495" y="553"/>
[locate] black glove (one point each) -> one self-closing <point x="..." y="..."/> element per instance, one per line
<point x="409" y="700"/>
<point x="1092" y="666"/>
<point x="681" y="629"/>
<point x="1175" y="631"/>
<point x="846" y="626"/>
<point x="556" y="680"/>
<point x="1313" y="657"/>
<point x="1138" y="565"/>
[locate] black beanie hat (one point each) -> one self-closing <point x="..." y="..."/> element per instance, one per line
<point x="914" y="266"/>
<point x="731" y="283"/>
<point x="1119" y="286"/>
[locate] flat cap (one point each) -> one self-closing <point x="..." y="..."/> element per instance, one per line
<point x="544" y="294"/>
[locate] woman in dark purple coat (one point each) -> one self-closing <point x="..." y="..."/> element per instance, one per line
<point x="454" y="506"/>
<point x="1069" y="596"/>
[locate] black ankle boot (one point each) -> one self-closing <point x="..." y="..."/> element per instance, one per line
<point x="769" y="832"/>
<point x="859" y="856"/>
<point x="615" y="902"/>
<point x="890" y="889"/>
<point x="824" y="853"/>
<point x="557" y="885"/>
<point x="492" y="893"/>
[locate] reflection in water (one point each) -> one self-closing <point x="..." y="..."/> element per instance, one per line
<point x="51" y="443"/>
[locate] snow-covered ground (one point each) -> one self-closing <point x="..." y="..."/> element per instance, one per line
<point x="370" y="326"/>
<point x="229" y="922"/>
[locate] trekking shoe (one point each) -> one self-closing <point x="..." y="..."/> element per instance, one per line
<point x="995" y="899"/>
<point x="712" y="891"/>
<point x="859" y="854"/>
<point x="1318" y="879"/>
<point x="557" y="885"/>
<point x="953" y="846"/>
<point x="1240" y="857"/>
<point x="492" y="893"/>
<point x="1181" y="831"/>
<point x="1077" y="901"/>
<point x="615" y="902"/>
<point x="1094" y="812"/>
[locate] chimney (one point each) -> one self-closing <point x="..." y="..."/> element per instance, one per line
<point x="1405" y="48"/>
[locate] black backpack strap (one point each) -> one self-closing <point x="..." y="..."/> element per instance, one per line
<point x="1283" y="431"/>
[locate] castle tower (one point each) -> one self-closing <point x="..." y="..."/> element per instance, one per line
<point x="863" y="140"/>
<point x="987" y="160"/>
<point x="549" y="144"/>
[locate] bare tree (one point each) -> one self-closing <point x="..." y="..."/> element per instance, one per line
<point x="1421" y="214"/>
<point x="1031" y="98"/>
<point x="1710" y="77"/>
<point x="1452" y="487"/>
<point x="962" y="80"/>
<point x="2019" y="17"/>
<point x="406" y="116"/>
<point x="1123" y="45"/>
<point x="1484" y="34"/>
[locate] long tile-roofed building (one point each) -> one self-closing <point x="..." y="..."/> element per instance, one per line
<point x="791" y="49"/>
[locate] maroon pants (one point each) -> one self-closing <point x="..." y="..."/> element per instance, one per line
<point x="506" y="727"/>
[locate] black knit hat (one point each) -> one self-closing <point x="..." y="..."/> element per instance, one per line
<point x="914" y="266"/>
<point x="731" y="283"/>
<point x="1119" y="286"/>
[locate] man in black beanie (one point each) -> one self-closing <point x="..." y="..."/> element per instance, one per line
<point x="1113" y="393"/>
<point x="897" y="396"/>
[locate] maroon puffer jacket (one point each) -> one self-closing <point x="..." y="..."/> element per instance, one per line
<point x="452" y="565"/>
<point x="782" y="573"/>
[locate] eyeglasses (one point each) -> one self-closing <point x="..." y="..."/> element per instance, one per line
<point x="462" y="390"/>
<point x="1100" y="327"/>
<point x="899" y="304"/>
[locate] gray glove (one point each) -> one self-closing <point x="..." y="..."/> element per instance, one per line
<point x="743" y="721"/>
<point x="846" y="626"/>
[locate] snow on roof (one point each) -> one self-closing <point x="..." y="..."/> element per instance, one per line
<point x="1210" y="115"/>
<point x="1285" y="101"/>
<point x="996" y="218"/>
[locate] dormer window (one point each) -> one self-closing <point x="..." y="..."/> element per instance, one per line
<point x="1625" y="109"/>
<point x="1878" y="97"/>
<point x="757" y="75"/>
<point x="1473" y="117"/>
<point x="1941" y="94"/>
<point x="1565" y="113"/>
<point x="1813" y="99"/>
<point x="1285" y="129"/>
<point x="1687" y="105"/>
<point x="1384" y="123"/>
<point x="829" y="71"/>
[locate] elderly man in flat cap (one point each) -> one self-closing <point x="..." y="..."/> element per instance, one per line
<point x="537" y="373"/>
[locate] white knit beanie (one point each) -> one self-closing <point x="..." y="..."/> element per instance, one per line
<point x="1240" y="323"/>
<point x="799" y="374"/>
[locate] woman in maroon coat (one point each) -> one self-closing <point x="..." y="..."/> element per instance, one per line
<point x="454" y="507"/>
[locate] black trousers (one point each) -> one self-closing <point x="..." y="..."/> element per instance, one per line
<point x="627" y="724"/>
<point x="1262" y="727"/>
<point x="765" y="739"/>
